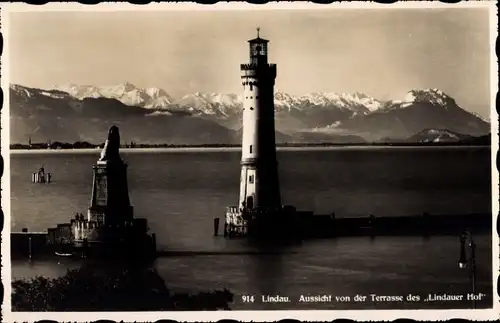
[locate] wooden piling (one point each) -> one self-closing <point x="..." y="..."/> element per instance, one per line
<point x="29" y="247"/>
<point x="216" y="227"/>
<point x="153" y="237"/>
<point x="85" y="248"/>
<point x="373" y="225"/>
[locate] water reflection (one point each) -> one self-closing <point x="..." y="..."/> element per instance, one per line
<point x="343" y="266"/>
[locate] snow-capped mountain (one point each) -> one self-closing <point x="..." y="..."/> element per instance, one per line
<point x="419" y="109"/>
<point x="292" y="112"/>
<point x="27" y="93"/>
<point x="127" y="93"/>
<point x="356" y="102"/>
<point x="434" y="97"/>
<point x="314" y="116"/>
<point x="57" y="116"/>
<point x="314" y="109"/>
<point x="230" y="104"/>
<point x="212" y="104"/>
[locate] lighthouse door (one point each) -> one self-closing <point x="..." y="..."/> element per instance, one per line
<point x="249" y="202"/>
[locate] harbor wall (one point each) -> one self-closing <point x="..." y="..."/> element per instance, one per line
<point x="425" y="224"/>
<point x="37" y="244"/>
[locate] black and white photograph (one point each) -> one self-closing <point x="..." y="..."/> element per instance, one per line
<point x="237" y="161"/>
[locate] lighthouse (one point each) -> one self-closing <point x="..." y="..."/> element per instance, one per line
<point x="259" y="183"/>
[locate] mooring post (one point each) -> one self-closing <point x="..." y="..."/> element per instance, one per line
<point x="225" y="229"/>
<point x="29" y="246"/>
<point x="216" y="227"/>
<point x="85" y="248"/>
<point x="153" y="236"/>
<point x="373" y="225"/>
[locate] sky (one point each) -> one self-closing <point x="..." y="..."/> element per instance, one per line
<point x="382" y="53"/>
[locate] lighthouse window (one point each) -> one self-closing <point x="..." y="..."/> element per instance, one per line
<point x="251" y="108"/>
<point x="251" y="146"/>
<point x="250" y="179"/>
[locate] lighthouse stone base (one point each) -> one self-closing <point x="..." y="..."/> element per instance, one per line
<point x="285" y="221"/>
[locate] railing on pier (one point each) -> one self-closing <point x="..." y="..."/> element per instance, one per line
<point x="40" y="177"/>
<point x="232" y="209"/>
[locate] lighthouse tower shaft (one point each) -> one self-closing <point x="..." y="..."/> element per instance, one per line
<point x="259" y="183"/>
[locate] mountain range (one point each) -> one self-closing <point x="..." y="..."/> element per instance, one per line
<point x="150" y="115"/>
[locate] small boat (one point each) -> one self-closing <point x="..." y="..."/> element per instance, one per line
<point x="61" y="254"/>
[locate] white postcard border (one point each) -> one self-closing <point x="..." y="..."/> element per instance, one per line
<point x="205" y="316"/>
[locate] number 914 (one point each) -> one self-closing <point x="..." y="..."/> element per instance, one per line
<point x="248" y="298"/>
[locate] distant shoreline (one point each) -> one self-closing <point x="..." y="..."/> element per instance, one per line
<point x="55" y="145"/>
<point x="236" y="148"/>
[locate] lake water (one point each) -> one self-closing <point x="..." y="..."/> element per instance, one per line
<point x="180" y="192"/>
